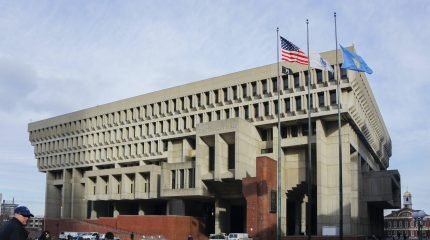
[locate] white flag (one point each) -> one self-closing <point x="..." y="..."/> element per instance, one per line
<point x="316" y="61"/>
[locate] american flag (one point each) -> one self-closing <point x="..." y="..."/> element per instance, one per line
<point x="292" y="53"/>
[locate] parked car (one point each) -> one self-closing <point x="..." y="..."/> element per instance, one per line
<point x="238" y="236"/>
<point x="90" y="236"/>
<point x="218" y="236"/>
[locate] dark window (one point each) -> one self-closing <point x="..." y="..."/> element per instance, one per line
<point x="211" y="158"/>
<point x="181" y="178"/>
<point x="287" y="105"/>
<point x="216" y="96"/>
<point x="254" y="89"/>
<point x="296" y="80"/>
<point x="256" y="110"/>
<point x="319" y="76"/>
<point x="199" y="101"/>
<point x="275" y="103"/>
<point x="244" y="90"/>
<point x="294" y="132"/>
<point x="333" y="100"/>
<point x="273" y="201"/>
<point x="307" y="80"/>
<point x="173" y="173"/>
<point x="191" y="178"/>
<point x="312" y="101"/>
<point x="207" y="98"/>
<point x="284" y="131"/>
<point x="298" y="103"/>
<point x="266" y="134"/>
<point x="246" y="110"/>
<point x="321" y="99"/>
<point x="264" y="82"/>
<point x="236" y="111"/>
<point x="231" y="158"/>
<point x="234" y="92"/>
<point x="285" y="80"/>
<point x="266" y="108"/>
<point x="305" y="130"/>
<point x="225" y="93"/>
<point x="275" y="84"/>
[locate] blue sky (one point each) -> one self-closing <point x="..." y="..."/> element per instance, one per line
<point x="61" y="56"/>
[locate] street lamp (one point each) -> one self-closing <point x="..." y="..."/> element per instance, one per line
<point x="418" y="217"/>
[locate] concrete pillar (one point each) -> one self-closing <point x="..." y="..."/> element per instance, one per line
<point x="222" y="216"/>
<point x="52" y="197"/>
<point x="79" y="204"/>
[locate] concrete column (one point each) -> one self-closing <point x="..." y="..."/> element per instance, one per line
<point x="222" y="217"/>
<point x="66" y="201"/>
<point x="52" y="197"/>
<point x="79" y="204"/>
<point x="221" y="157"/>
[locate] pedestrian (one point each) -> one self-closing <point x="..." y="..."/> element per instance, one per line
<point x="132" y="236"/>
<point x="14" y="229"/>
<point x="109" y="236"/>
<point x="45" y="236"/>
<point x="190" y="237"/>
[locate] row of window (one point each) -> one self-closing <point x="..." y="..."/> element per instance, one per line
<point x="128" y="151"/>
<point x="183" y="178"/>
<point x="174" y="125"/>
<point x="181" y="104"/>
<point x="115" y="185"/>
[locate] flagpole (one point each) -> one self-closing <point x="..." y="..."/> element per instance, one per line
<point x="309" y="172"/>
<point x="279" y="228"/>
<point x="339" y="125"/>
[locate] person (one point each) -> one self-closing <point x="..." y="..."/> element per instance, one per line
<point x="109" y="236"/>
<point x="45" y="236"/>
<point x="14" y="229"/>
<point x="190" y="237"/>
<point x="132" y="236"/>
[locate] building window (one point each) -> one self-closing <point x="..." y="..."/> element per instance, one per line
<point x="264" y="82"/>
<point x="244" y="93"/>
<point x="275" y="103"/>
<point x="298" y="103"/>
<point x="294" y="131"/>
<point x="234" y="89"/>
<point x="287" y="102"/>
<point x="333" y="100"/>
<point x="266" y="108"/>
<point x="296" y="77"/>
<point x="319" y="76"/>
<point x="211" y="158"/>
<point x="321" y="99"/>
<point x="191" y="178"/>
<point x="246" y="110"/>
<point x="307" y="80"/>
<point x="173" y="174"/>
<point x="256" y="114"/>
<point x="343" y="73"/>
<point x="285" y="80"/>
<point x="225" y="93"/>
<point x="181" y="179"/>
<point x="254" y="88"/>
<point x="231" y="156"/>
<point x="275" y="84"/>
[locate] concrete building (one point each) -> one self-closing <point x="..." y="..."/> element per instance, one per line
<point x="400" y="223"/>
<point x="7" y="209"/>
<point x="188" y="150"/>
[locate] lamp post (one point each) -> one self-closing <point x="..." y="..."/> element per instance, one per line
<point x="418" y="217"/>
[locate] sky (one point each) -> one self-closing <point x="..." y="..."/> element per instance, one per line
<point x="62" y="56"/>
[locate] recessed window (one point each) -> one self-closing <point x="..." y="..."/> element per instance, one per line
<point x="319" y="74"/>
<point x="296" y="80"/>
<point x="321" y="99"/>
<point x="285" y="81"/>
<point x="333" y="100"/>
<point x="275" y="84"/>
<point x="298" y="103"/>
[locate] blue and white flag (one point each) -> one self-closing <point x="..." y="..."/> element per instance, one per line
<point x="354" y="62"/>
<point x="316" y="61"/>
